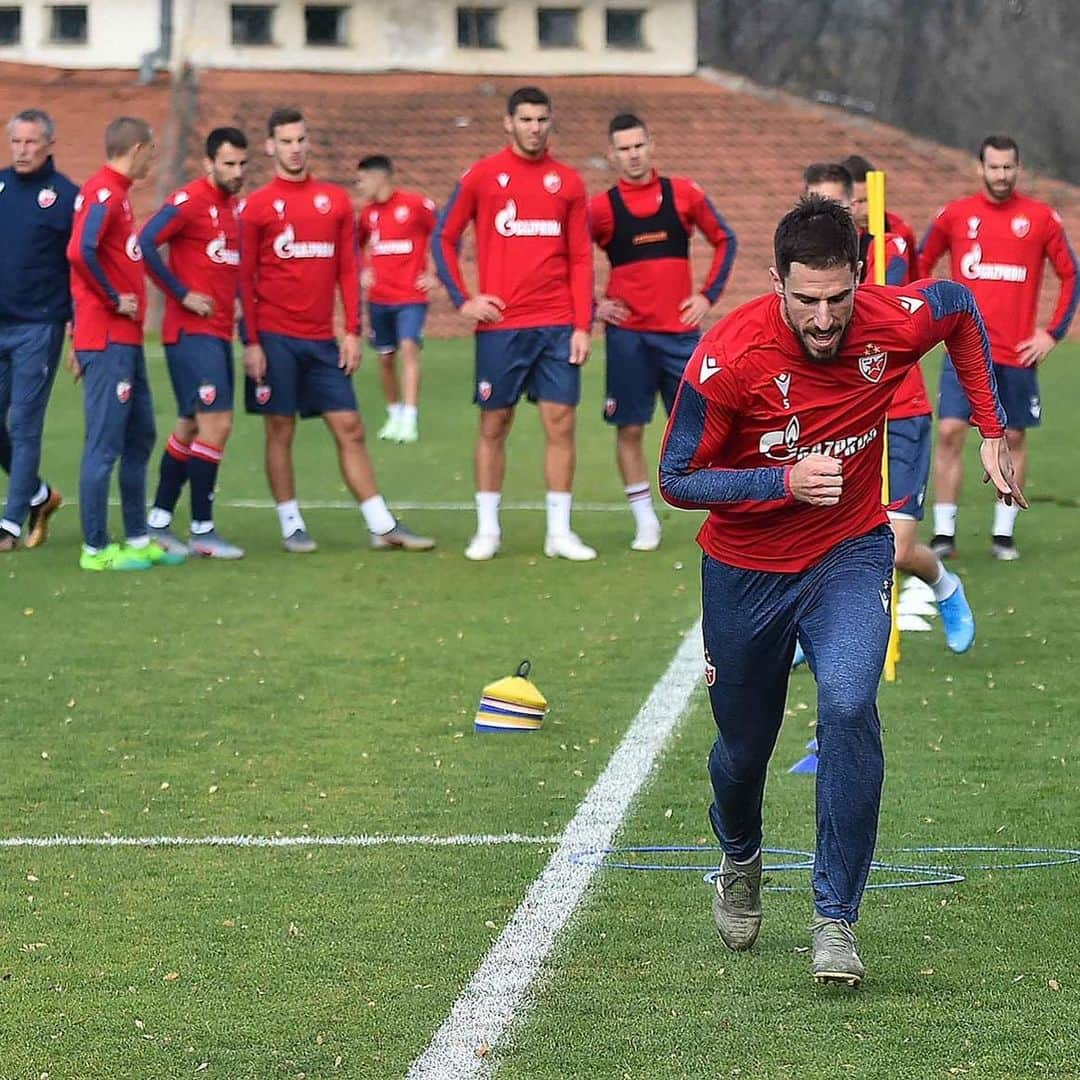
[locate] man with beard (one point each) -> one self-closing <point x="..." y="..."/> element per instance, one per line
<point x="298" y="248"/>
<point x="776" y="431"/>
<point x="199" y="223"/>
<point x="998" y="241"/>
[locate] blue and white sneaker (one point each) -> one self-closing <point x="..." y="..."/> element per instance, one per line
<point x="958" y="620"/>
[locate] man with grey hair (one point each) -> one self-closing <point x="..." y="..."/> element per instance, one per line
<point x="36" y="208"/>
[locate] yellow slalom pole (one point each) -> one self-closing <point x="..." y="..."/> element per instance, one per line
<point x="875" y="195"/>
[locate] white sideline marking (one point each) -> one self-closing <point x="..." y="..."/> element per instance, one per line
<point x="467" y="840"/>
<point x="495" y="996"/>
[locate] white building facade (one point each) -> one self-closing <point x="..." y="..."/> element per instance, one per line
<point x="543" y="37"/>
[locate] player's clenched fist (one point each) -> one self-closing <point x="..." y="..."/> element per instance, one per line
<point x="817" y="480"/>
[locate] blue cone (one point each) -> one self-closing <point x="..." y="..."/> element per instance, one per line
<point x="807" y="764"/>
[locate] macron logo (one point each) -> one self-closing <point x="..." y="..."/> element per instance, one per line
<point x="910" y="304"/>
<point x="709" y="367"/>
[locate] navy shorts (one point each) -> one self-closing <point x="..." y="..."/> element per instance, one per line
<point x="1018" y="389"/>
<point x="640" y="365"/>
<point x="391" y="324"/>
<point x="201" y="371"/>
<point x="909" y="466"/>
<point x="302" y="376"/>
<point x="535" y="361"/>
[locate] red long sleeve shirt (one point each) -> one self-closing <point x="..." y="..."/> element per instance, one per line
<point x="297" y="246"/>
<point x="998" y="250"/>
<point x="751" y="404"/>
<point x="653" y="275"/>
<point x="199" y="223"/>
<point x="105" y="262"/>
<point x="533" y="249"/>
<point x="396" y="235"/>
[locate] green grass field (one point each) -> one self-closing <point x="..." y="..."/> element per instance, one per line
<point x="333" y="694"/>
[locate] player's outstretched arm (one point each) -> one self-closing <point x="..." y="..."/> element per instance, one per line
<point x="998" y="470"/>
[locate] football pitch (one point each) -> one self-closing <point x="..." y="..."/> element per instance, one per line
<point x="319" y="854"/>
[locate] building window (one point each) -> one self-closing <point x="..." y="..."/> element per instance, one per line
<point x="10" y="25"/>
<point x="625" y="28"/>
<point x="557" y="28"/>
<point x="324" y="25"/>
<point x="253" y="24"/>
<point x="67" y="24"/>
<point x="477" y="28"/>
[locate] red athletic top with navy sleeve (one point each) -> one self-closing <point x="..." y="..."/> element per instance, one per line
<point x="395" y="235"/>
<point x="751" y="404"/>
<point x="533" y="250"/>
<point x="105" y="262"/>
<point x="297" y="246"/>
<point x="647" y="243"/>
<point x="998" y="250"/>
<point x="199" y="223"/>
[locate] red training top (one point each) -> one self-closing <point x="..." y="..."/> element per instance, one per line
<point x="396" y="235"/>
<point x="297" y="242"/>
<point x="105" y="262"/>
<point x="751" y="404"/>
<point x="647" y="244"/>
<point x="998" y="249"/>
<point x="533" y="250"/>
<point x="199" y="222"/>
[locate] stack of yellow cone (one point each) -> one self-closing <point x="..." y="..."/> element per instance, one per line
<point x="511" y="704"/>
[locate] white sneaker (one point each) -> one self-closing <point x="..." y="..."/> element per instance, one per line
<point x="568" y="546"/>
<point x="407" y="431"/>
<point x="389" y="431"/>
<point x="483" y="546"/>
<point x="647" y="538"/>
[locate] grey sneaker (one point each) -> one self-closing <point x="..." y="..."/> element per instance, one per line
<point x="299" y="543"/>
<point x="211" y="546"/>
<point x="167" y="539"/>
<point x="737" y="903"/>
<point x="401" y="537"/>
<point x="1004" y="548"/>
<point x="834" y="957"/>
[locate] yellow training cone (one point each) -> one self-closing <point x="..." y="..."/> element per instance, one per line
<point x="511" y="704"/>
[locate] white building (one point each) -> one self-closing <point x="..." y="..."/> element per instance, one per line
<point x="542" y="37"/>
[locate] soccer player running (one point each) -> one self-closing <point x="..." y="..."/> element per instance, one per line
<point x="776" y="431"/>
<point x="37" y="203"/>
<point x="908" y="424"/>
<point x="395" y="231"/>
<point x="199" y="223"/>
<point x="298" y="246"/>
<point x="997" y="242"/>
<point x="651" y="311"/>
<point x="533" y="310"/>
<point x="109" y="291"/>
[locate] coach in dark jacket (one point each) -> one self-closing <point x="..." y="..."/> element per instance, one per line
<point x="36" y="208"/>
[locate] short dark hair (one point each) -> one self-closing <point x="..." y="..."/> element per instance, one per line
<point x="817" y="232"/>
<point x="526" y="95"/>
<point x="280" y="117"/>
<point x="858" y="166"/>
<point x="625" y="121"/>
<point x="827" y="172"/>
<point x="125" y="133"/>
<point x="999" y="142"/>
<point x="34" y="116"/>
<point x="376" y="163"/>
<point x="222" y="135"/>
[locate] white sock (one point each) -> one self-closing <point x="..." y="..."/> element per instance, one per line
<point x="377" y="515"/>
<point x="944" y="584"/>
<point x="290" y="517"/>
<point x="394" y="410"/>
<point x="409" y="413"/>
<point x="91" y="550"/>
<point x="487" y="512"/>
<point x="138" y="542"/>
<point x="11" y="527"/>
<point x="158" y="518"/>
<point x="201" y="528"/>
<point x="641" y="506"/>
<point x="746" y="862"/>
<point x="944" y="519"/>
<point x="558" y="512"/>
<point x="1005" y="518"/>
<point x="41" y="495"/>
